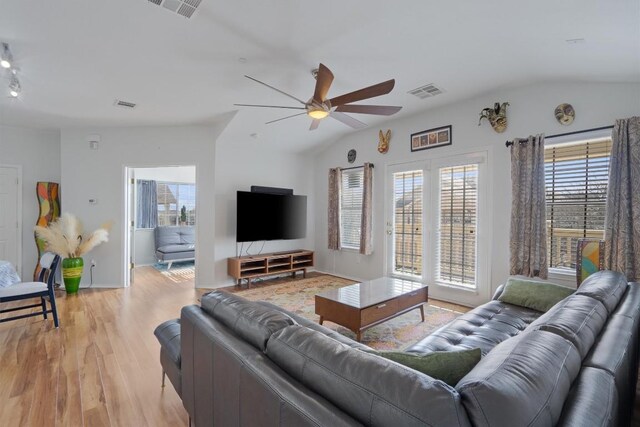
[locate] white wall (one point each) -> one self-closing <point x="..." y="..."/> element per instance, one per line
<point x="144" y="247"/>
<point x="185" y="174"/>
<point x="38" y="152"/>
<point x="99" y="174"/>
<point x="531" y="112"/>
<point x="237" y="169"/>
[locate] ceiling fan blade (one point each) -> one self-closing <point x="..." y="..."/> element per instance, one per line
<point x="269" y="106"/>
<point x="288" y="117"/>
<point x="276" y="89"/>
<point x="348" y="120"/>
<point x="381" y="110"/>
<point x="314" y="124"/>
<point x="323" y="83"/>
<point x="366" y="93"/>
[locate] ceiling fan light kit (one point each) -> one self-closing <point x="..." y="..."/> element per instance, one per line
<point x="319" y="107"/>
<point x="318" y="114"/>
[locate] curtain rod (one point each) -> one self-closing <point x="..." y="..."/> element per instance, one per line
<point x="354" y="167"/>
<point x="510" y="143"/>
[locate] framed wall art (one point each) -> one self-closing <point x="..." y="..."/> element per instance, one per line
<point x="436" y="137"/>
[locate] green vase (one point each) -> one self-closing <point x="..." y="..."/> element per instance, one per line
<point x="72" y="273"/>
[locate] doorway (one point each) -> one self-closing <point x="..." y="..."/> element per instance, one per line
<point x="437" y="226"/>
<point x="161" y="215"/>
<point x="406" y="220"/>
<point x="11" y="216"/>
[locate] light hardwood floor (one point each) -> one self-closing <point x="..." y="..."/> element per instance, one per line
<point x="101" y="367"/>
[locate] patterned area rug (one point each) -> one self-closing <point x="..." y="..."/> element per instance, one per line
<point x="395" y="334"/>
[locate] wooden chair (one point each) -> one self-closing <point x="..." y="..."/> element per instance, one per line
<point x="27" y="290"/>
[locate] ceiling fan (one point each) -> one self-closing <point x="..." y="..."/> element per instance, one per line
<point x="319" y="107"/>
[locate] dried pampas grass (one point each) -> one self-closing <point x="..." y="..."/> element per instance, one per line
<point x="64" y="236"/>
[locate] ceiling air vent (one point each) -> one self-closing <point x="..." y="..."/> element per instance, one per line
<point x="124" y="104"/>
<point x="185" y="8"/>
<point x="426" y="91"/>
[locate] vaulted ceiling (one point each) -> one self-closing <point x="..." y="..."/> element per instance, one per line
<point x="77" y="57"/>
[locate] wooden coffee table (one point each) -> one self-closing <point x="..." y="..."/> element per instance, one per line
<point x="363" y="305"/>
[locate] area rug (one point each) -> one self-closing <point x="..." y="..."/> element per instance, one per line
<point x="180" y="271"/>
<point x="395" y="334"/>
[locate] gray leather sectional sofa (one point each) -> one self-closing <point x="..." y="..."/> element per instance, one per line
<point x="175" y="243"/>
<point x="245" y="363"/>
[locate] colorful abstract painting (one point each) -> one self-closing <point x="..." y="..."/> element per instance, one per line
<point x="590" y="256"/>
<point x="49" y="202"/>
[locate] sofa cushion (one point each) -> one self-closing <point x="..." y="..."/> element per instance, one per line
<point x="316" y="327"/>
<point x="176" y="248"/>
<point x="615" y="351"/>
<point x="630" y="302"/>
<point x="484" y="327"/>
<point x="605" y="286"/>
<point x="174" y="235"/>
<point x="448" y="366"/>
<point x="577" y="318"/>
<point x="592" y="401"/>
<point x="533" y="294"/>
<point x="523" y="381"/>
<point x="251" y="321"/>
<point x="168" y="333"/>
<point x="369" y="388"/>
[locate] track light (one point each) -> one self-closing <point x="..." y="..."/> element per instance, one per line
<point x="5" y="57"/>
<point x="14" y="87"/>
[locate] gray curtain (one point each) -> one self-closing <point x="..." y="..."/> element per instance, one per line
<point x="622" y="219"/>
<point x="365" y="225"/>
<point x="528" y="240"/>
<point x="147" y="204"/>
<point x="335" y="178"/>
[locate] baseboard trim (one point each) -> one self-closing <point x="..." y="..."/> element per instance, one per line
<point x="98" y="285"/>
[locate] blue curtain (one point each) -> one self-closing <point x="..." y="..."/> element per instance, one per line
<point x="147" y="212"/>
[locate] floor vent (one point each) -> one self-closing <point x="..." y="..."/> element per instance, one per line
<point x="185" y="8"/>
<point x="426" y="91"/>
<point x="124" y="104"/>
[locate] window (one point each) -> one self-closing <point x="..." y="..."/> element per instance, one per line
<point x="576" y="178"/>
<point x="458" y="216"/>
<point x="407" y="219"/>
<point x="176" y="203"/>
<point x="351" y="208"/>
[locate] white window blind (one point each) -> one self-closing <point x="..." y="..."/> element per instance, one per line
<point x="407" y="222"/>
<point x="351" y="208"/>
<point x="458" y="195"/>
<point x="576" y="178"/>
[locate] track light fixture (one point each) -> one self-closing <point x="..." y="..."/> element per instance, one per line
<point x="6" y="61"/>
<point x="6" y="58"/>
<point x="14" y="87"/>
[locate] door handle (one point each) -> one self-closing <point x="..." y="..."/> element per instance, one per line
<point x="381" y="306"/>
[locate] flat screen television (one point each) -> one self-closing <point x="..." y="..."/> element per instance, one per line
<point x="263" y="216"/>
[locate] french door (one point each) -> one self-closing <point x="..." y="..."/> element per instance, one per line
<point x="434" y="214"/>
<point x="407" y="191"/>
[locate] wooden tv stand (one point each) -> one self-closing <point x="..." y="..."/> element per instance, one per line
<point x="254" y="266"/>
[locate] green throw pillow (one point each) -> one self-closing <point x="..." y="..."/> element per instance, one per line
<point x="539" y="296"/>
<point x="448" y="366"/>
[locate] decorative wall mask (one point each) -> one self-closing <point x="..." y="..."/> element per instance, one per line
<point x="351" y="156"/>
<point x="497" y="116"/>
<point x="565" y="114"/>
<point x="383" y="145"/>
